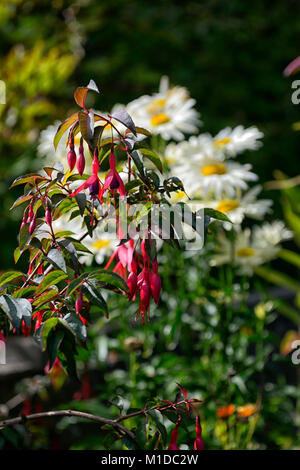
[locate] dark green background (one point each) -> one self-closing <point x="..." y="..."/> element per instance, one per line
<point x="229" y="54"/>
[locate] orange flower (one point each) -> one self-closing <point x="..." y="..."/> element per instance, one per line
<point x="247" y="410"/>
<point x="225" y="411"/>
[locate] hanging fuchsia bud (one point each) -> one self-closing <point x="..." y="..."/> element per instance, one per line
<point x="132" y="284"/>
<point x="32" y="225"/>
<point x="30" y="214"/>
<point x="95" y="164"/>
<point x="81" y="158"/>
<point x="79" y="303"/>
<point x="71" y="156"/>
<point x="155" y="284"/>
<point x="198" y="443"/>
<point x="48" y="216"/>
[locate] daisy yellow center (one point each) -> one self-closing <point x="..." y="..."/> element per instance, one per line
<point x="227" y="205"/>
<point x="216" y="169"/>
<point x="156" y="106"/>
<point x="222" y="142"/>
<point x="178" y="195"/>
<point x="160" y="118"/>
<point x="245" y="252"/>
<point x="101" y="244"/>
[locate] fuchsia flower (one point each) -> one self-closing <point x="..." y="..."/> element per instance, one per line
<point x="2" y="337"/>
<point x="71" y="156"/>
<point x="113" y="180"/>
<point x="92" y="183"/>
<point x="198" y="443"/>
<point x="173" y="443"/>
<point x="81" y="158"/>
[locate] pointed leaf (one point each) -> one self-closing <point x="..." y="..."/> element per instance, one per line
<point x="17" y="310"/>
<point x="124" y="118"/>
<point x="63" y="128"/>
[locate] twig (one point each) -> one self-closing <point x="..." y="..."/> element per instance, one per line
<point x="79" y="414"/>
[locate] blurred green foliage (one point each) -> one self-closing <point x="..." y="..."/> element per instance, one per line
<point x="230" y="55"/>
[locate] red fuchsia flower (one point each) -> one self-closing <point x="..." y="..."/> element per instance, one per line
<point x="198" y="443"/>
<point x="38" y="317"/>
<point x="81" y="158"/>
<point x="71" y="156"/>
<point x="155" y="282"/>
<point x="113" y="180"/>
<point x="93" y="183"/>
<point x="2" y="337"/>
<point x="25" y="329"/>
<point x="173" y="443"/>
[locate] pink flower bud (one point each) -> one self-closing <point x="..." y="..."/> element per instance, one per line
<point x="81" y="159"/>
<point x="155" y="284"/>
<point x="32" y="225"/>
<point x="132" y="284"/>
<point x="79" y="303"/>
<point x="48" y="216"/>
<point x="71" y="157"/>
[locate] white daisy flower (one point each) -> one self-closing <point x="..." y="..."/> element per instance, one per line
<point x="237" y="140"/>
<point x="250" y="249"/>
<point x="243" y="205"/>
<point x="169" y="113"/>
<point x="209" y="178"/>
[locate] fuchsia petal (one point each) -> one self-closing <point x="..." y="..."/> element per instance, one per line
<point x="112" y="161"/>
<point x="85" y="185"/>
<point x="122" y="254"/>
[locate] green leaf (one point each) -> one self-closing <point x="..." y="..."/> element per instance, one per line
<point x="53" y="343"/>
<point x="86" y="120"/>
<point x="71" y="250"/>
<point x="20" y="200"/>
<point x="50" y="280"/>
<point x="44" y="298"/>
<point x="138" y="161"/>
<point x="63" y="128"/>
<point x="32" y="178"/>
<point x="129" y="443"/>
<point x="76" y="326"/>
<point x="56" y="258"/>
<point x="45" y="330"/>
<point x="9" y="276"/>
<point x="290" y="257"/>
<point x="109" y="277"/>
<point x="24" y="236"/>
<point x="141" y="130"/>
<point x="157" y="418"/>
<point x="278" y="278"/>
<point x="17" y="310"/>
<point x="81" y="201"/>
<point x="214" y="214"/>
<point x="141" y="434"/>
<point x="153" y="157"/>
<point x="75" y="284"/>
<point x="93" y="293"/>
